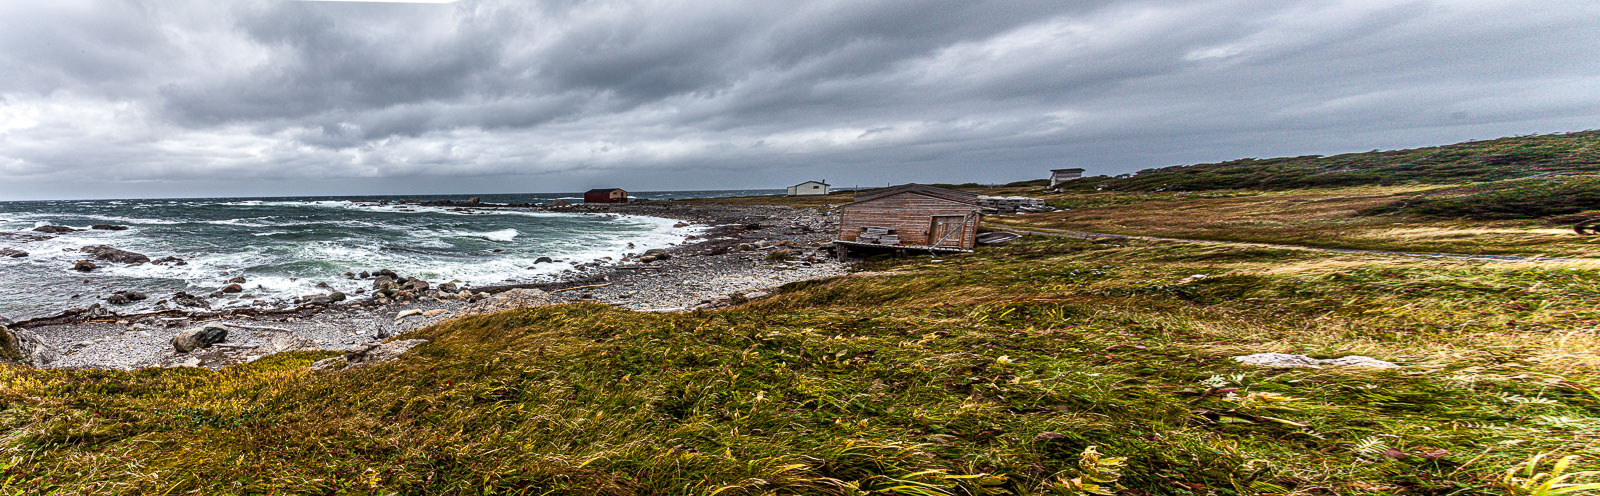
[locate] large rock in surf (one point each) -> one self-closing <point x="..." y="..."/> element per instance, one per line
<point x="233" y="288"/>
<point x="109" y="254"/>
<point x="55" y="229"/>
<point x="199" y="337"/>
<point x="20" y="345"/>
<point x="108" y="227"/>
<point x="513" y="299"/>
<point x="84" y="266"/>
<point x="8" y="252"/>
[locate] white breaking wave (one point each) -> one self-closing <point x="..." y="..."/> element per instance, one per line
<point x="502" y="235"/>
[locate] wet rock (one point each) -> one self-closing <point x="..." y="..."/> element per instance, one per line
<point x="199" y="337"/>
<point x="108" y="227"/>
<point x="21" y="345"/>
<point x="109" y="254"/>
<point x="84" y="266"/>
<point x="55" y="229"/>
<point x="389" y="273"/>
<point x="364" y="275"/>
<point x="337" y="296"/>
<point x="541" y="260"/>
<point x="407" y="313"/>
<point x="415" y="284"/>
<point x="183" y="299"/>
<point x="233" y="288"/>
<point x="321" y="300"/>
<point x="324" y="285"/>
<point x="1284" y="360"/>
<point x="12" y="253"/>
<point x="175" y="261"/>
<point x="237" y="280"/>
<point x="448" y="287"/>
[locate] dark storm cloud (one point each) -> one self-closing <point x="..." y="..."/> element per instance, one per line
<point x="128" y="98"/>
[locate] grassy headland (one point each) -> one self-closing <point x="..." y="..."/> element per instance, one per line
<point x="985" y="373"/>
<point x="1047" y="366"/>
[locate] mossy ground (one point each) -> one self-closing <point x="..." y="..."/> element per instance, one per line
<point x="916" y="377"/>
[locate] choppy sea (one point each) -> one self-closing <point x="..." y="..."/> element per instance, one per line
<point x="284" y="247"/>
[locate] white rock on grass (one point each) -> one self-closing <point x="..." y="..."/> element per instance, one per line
<point x="1285" y="360"/>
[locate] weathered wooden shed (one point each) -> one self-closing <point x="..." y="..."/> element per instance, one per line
<point x="910" y="217"/>
<point x="605" y="195"/>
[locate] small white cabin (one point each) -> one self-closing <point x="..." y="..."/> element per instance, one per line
<point x="809" y="188"/>
<point x="1058" y="176"/>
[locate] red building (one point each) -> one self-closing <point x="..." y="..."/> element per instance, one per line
<point x="605" y="195"/>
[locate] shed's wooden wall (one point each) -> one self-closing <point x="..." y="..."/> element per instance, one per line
<point x="910" y="215"/>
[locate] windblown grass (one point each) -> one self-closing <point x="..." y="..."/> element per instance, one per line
<point x="1515" y="199"/>
<point x="1043" y="367"/>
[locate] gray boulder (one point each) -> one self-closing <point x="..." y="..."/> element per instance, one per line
<point x="199" y="337"/>
<point x="21" y="345"/>
<point x="55" y="229"/>
<point x="13" y="253"/>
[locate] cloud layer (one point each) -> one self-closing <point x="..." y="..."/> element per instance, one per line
<point x="196" y="98"/>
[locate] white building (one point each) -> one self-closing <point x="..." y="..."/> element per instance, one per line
<point x="1058" y="176"/>
<point x="809" y="188"/>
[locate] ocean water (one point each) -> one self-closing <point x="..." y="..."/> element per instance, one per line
<point x="285" y="246"/>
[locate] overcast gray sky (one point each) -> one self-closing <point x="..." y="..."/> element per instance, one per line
<point x="276" y="97"/>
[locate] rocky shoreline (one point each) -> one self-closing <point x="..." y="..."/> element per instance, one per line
<point x="742" y="253"/>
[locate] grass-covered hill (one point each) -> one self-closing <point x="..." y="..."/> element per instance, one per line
<point x="1474" y="161"/>
<point x="1043" y="367"/>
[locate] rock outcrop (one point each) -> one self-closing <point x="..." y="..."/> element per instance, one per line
<point x="55" y="229"/>
<point x="361" y="356"/>
<point x="13" y="253"/>
<point x="516" y="298"/>
<point x="23" y="346"/>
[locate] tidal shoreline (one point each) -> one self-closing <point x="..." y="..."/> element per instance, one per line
<point x="730" y="260"/>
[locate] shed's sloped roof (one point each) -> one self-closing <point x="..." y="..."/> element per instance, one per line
<point x="809" y="182"/>
<point x="921" y="189"/>
<point x="602" y="190"/>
